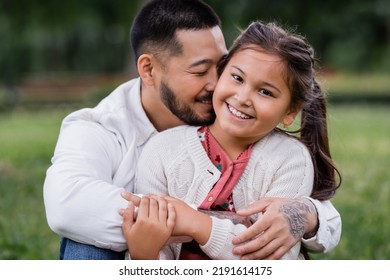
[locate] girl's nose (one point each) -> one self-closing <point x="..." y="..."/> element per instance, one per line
<point x="244" y="96"/>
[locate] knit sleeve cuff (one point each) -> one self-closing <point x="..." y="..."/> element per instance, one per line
<point x="219" y="245"/>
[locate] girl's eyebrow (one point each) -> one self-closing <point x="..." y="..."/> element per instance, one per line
<point x="265" y="83"/>
<point x="239" y="69"/>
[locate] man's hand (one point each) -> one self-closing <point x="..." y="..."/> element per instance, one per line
<point x="135" y="199"/>
<point x="154" y="224"/>
<point x="284" y="223"/>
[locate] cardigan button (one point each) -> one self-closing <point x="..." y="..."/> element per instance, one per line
<point x="210" y="198"/>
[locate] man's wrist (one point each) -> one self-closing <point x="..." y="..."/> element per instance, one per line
<point x="312" y="223"/>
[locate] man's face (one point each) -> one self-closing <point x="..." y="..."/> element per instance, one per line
<point x="188" y="80"/>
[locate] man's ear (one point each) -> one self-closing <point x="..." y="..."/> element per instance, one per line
<point x="146" y="65"/>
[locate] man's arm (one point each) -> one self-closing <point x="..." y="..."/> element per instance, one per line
<point x="285" y="222"/>
<point x="80" y="198"/>
<point x="329" y="228"/>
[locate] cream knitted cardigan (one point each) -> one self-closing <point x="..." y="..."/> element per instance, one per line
<point x="175" y="163"/>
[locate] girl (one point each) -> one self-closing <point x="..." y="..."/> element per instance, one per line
<point x="267" y="79"/>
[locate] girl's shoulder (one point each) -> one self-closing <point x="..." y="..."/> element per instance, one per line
<point x="280" y="143"/>
<point x="171" y="133"/>
<point x="173" y="138"/>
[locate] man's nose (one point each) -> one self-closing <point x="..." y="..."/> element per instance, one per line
<point x="212" y="80"/>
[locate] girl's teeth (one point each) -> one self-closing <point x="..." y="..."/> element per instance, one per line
<point x="238" y="113"/>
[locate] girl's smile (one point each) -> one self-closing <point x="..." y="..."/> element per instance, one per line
<point x="239" y="115"/>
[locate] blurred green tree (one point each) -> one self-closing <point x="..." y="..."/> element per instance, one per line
<point x="92" y="36"/>
<point x="349" y="35"/>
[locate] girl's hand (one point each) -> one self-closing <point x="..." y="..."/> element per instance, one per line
<point x="154" y="224"/>
<point x="189" y="221"/>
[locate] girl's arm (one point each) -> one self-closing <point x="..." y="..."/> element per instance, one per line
<point x="290" y="177"/>
<point x="213" y="232"/>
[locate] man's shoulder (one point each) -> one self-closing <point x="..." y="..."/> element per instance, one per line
<point x="120" y="114"/>
<point x="113" y="104"/>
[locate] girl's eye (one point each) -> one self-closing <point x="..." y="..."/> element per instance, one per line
<point x="265" y="92"/>
<point x="237" y="78"/>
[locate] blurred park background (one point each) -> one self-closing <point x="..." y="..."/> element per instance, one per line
<point x="59" y="56"/>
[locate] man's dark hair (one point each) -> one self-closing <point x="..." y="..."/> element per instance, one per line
<point x="154" y="28"/>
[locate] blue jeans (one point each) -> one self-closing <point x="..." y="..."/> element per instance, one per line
<point x="71" y="250"/>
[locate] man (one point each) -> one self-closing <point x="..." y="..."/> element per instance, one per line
<point x="178" y="45"/>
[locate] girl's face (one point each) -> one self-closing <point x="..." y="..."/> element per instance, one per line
<point x="252" y="97"/>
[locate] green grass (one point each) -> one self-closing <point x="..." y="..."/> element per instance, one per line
<point x="352" y="84"/>
<point x="27" y="142"/>
<point x="359" y="140"/>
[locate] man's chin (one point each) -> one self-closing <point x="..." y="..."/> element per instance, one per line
<point x="205" y="119"/>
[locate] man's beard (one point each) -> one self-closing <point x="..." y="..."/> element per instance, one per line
<point x="182" y="111"/>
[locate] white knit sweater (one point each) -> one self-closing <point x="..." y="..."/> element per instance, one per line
<point x="175" y="163"/>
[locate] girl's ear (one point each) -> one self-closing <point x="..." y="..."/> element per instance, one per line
<point x="289" y="118"/>
<point x="147" y="65"/>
